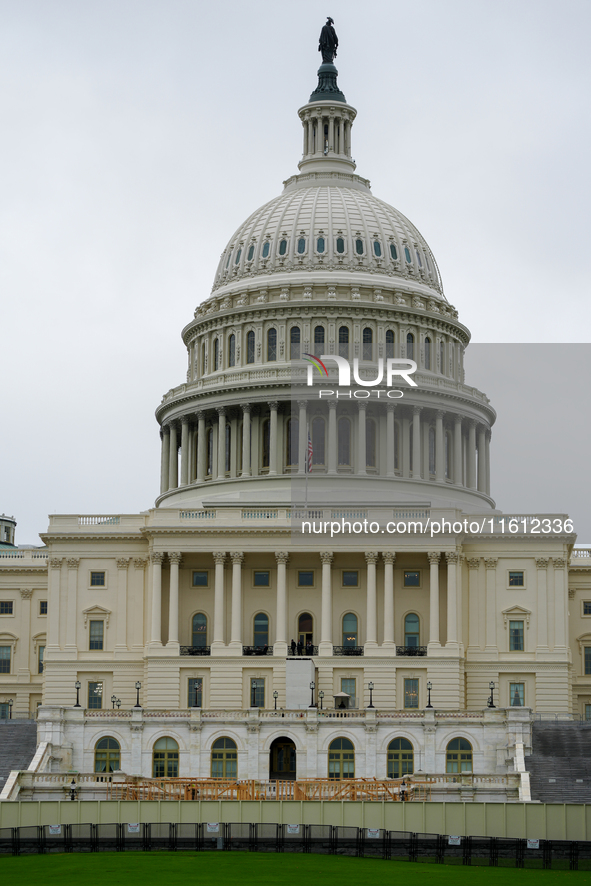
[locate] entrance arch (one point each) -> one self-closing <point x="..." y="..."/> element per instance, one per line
<point x="282" y="762"/>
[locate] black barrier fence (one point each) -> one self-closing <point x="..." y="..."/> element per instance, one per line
<point x="326" y="839"/>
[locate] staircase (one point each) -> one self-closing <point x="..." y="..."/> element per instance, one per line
<point x="18" y="743"/>
<point x="560" y="764"/>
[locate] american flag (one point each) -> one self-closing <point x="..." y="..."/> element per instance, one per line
<point x="309" y="452"/>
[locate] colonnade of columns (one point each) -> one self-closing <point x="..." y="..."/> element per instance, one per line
<point x="420" y="443"/>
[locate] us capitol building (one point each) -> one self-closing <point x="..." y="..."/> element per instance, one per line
<point x="226" y="632"/>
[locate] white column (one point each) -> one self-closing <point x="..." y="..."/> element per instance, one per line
<point x="221" y="411"/>
<point x="325" y="646"/>
<point x="458" y="450"/>
<point x="542" y="607"/>
<point x="416" y="442"/>
<point x="174" y="558"/>
<point x="405" y="446"/>
<point x="439" y="448"/>
<point x="491" y="604"/>
<point x="560" y="576"/>
<point x="471" y="454"/>
<point x="122" y="604"/>
<point x="371" y="633"/>
<point x="218" y="600"/>
<point x="389" y="559"/>
<point x="361" y="438"/>
<point x="332" y="437"/>
<point x="236" y="622"/>
<point x="53" y="605"/>
<point x="473" y="605"/>
<point x="452" y="598"/>
<point x="156" y="625"/>
<point x="173" y="464"/>
<point x="246" y="407"/>
<point x="23" y="673"/>
<point x="184" y="450"/>
<point x="303" y="437"/>
<point x="280" y="647"/>
<point x="201" y="454"/>
<point x="434" y="640"/>
<point x="390" y="439"/>
<point x="165" y="458"/>
<point x="273" y="406"/>
<point x="72" y="605"/>
<point x="481" y="459"/>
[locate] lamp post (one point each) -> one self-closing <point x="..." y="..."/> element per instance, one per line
<point x="491" y="703"/>
<point x="118" y="703"/>
<point x="275" y="696"/>
<point x="113" y="701"/>
<point x="196" y="692"/>
<point x="77" y="684"/>
<point x="429" y="688"/>
<point x="72" y="790"/>
<point x="138" y="686"/>
<point x="370" y="687"/>
<point x="403" y="790"/>
<point x="312" y="687"/>
<point x="321" y="697"/>
<point x="10" y="704"/>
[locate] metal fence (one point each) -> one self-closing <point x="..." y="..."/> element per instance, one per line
<point x="324" y="839"/>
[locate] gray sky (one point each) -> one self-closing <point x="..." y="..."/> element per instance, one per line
<point x="138" y="135"/>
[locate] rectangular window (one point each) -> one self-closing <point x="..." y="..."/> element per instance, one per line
<point x="200" y="579"/>
<point x="40" y="659"/>
<point x="350" y="579"/>
<point x="260" y="579"/>
<point x="97" y="579"/>
<point x="516" y="579"/>
<point x="6" y="607"/>
<point x="257" y="692"/>
<point x="306" y="579"/>
<point x="516" y="636"/>
<point x="5" y="659"/>
<point x="43" y="607"/>
<point x="587" y="659"/>
<point x="95" y="695"/>
<point x="4" y="710"/>
<point x="411" y="693"/>
<point x="412" y="579"/>
<point x="195" y="692"/>
<point x="588" y="712"/>
<point x="97" y="630"/>
<point x="586" y="607"/>
<point x="516" y="695"/>
<point x="349" y="685"/>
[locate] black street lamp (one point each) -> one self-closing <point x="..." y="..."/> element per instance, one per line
<point x="113" y="701"/>
<point x="321" y="697"/>
<point x="198" y="687"/>
<point x="403" y="791"/>
<point x="429" y="688"/>
<point x="77" y="684"/>
<point x="491" y="703"/>
<point x="118" y="703"/>
<point x="370" y="687"/>
<point x="10" y="704"/>
<point x="138" y="686"/>
<point x="73" y="790"/>
<point x="275" y="696"/>
<point x="312" y="687"/>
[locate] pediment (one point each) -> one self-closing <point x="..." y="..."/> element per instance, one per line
<point x="96" y="612"/>
<point x="517" y="612"/>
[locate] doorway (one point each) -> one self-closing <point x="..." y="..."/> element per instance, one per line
<point x="305" y="629"/>
<point x="282" y="763"/>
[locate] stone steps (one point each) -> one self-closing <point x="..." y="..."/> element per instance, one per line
<point x="560" y="764"/>
<point x="18" y="743"/>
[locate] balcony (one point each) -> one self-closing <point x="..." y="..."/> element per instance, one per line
<point x="195" y="650"/>
<point x="306" y="651"/>
<point x="411" y="650"/>
<point x="347" y="650"/>
<point x="257" y="650"/>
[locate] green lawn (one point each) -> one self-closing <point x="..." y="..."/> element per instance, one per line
<point x="262" y="869"/>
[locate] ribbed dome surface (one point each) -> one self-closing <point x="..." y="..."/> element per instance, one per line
<point x="327" y="227"/>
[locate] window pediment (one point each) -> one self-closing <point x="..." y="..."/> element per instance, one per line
<point x="96" y="612"/>
<point x="516" y="612"/>
<point x="584" y="640"/>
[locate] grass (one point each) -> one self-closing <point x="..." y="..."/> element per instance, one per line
<point x="259" y="869"/>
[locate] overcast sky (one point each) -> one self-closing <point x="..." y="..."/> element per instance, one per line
<point x="136" y="136"/>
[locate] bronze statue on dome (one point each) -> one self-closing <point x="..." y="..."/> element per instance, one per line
<point x="328" y="42"/>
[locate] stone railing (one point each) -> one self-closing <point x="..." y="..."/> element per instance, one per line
<point x="26" y="556"/>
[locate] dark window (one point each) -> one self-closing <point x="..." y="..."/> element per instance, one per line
<point x="341" y="759"/>
<point x="407" y="254"/>
<point x="411" y="693"/>
<point x="95" y="696"/>
<point x="377" y="248"/>
<point x="318" y="341"/>
<point x="370" y="443"/>
<point x="301" y="246"/>
<point x="294" y="338"/>
<point x="344" y="442"/>
<point x="216" y="354"/>
<point x="320" y="244"/>
<point x="261" y="579"/>
<point x="250" y="252"/>
<point x="266" y="247"/>
<point x="200" y="579"/>
<point x="344" y="342"/>
<point x="516" y="579"/>
<point x="293" y="442"/>
<point x="349" y="629"/>
<point x="283" y="247"/>
<point x="97" y="631"/>
<point x="389" y="343"/>
<point x="367" y="344"/>
<point x="261" y="629"/>
<point x="199" y="630"/>
<point x="350" y="578"/>
<point x="410" y="345"/>
<point x="224" y="759"/>
<point x="412" y="579"/>
<point x="271" y="345"/>
<point x="97" y="579"/>
<point x="586" y="607"/>
<point x="305" y="579"/>
<point x="340" y="245"/>
<point x="209" y="458"/>
<point x="6" y="607"/>
<point x="393" y="252"/>
<point x="516" y="640"/>
<point x="359" y="247"/>
<point x="400" y="758"/>
<point x="427" y="353"/>
<point x="250" y="347"/>
<point x="411" y="630"/>
<point x="517" y="695"/>
<point x="459" y="756"/>
<point x="228" y="442"/>
<point x="165" y="761"/>
<point x="232" y="351"/>
<point x="266" y="442"/>
<point x="238" y="254"/>
<point x="587" y="659"/>
<point x="318" y="441"/>
<point x="5" y="659"/>
<point x="195" y="692"/>
<point x="107" y="755"/>
<point x="257" y="692"/>
<point x="442" y="357"/>
<point x="40" y="659"/>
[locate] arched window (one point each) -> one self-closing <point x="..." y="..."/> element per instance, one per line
<point x="393" y="252"/>
<point x="407" y="255"/>
<point x="349" y="629"/>
<point x="165" y="759"/>
<point x="410" y="345"/>
<point x="320" y="245"/>
<point x="203" y="363"/>
<point x="418" y="255"/>
<point x="318" y="341"/>
<point x="359" y="247"/>
<point x="370" y="443"/>
<point x="340" y="245"/>
<point x="250" y="347"/>
<point x="341" y="759"/>
<point x="216" y="354"/>
<point x="442" y="357"/>
<point x="232" y="350"/>
<point x="411" y="630"/>
<point x="305" y="629"/>
<point x="431" y="450"/>
<point x="294" y="340"/>
<point x="199" y="630"/>
<point x="389" y="342"/>
<point x="344" y="447"/>
<point x="209" y="451"/>
<point x="400" y="758"/>
<point x="266" y="248"/>
<point x="367" y="343"/>
<point x="293" y="441"/>
<point x="238" y="254"/>
<point x="261" y="629"/>
<point x="271" y="345"/>
<point x="459" y="756"/>
<point x="377" y="248"/>
<point x="266" y="443"/>
<point x="344" y="342"/>
<point x="318" y="441"/>
<point x="224" y="758"/>
<point x="301" y="246"/>
<point x="228" y="443"/>
<point x="282" y="247"/>
<point x="107" y="755"/>
<point x="427" y="353"/>
<point x="250" y="255"/>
